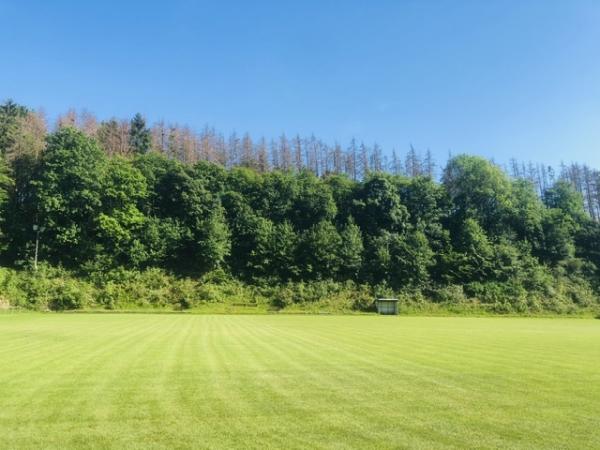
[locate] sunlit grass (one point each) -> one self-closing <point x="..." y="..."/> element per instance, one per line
<point x="198" y="381"/>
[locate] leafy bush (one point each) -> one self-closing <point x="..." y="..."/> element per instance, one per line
<point x="362" y="299"/>
<point x="283" y="297"/>
<point x="68" y="294"/>
<point x="47" y="288"/>
<point x="451" y="294"/>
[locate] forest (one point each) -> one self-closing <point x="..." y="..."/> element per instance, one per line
<point x="118" y="214"/>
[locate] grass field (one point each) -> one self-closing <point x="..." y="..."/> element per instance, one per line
<point x="175" y="381"/>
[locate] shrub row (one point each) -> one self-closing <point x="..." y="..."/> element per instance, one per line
<point x="52" y="288"/>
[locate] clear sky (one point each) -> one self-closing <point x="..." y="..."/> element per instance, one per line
<point x="497" y="78"/>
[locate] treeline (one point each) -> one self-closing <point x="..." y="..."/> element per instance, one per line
<point x="105" y="201"/>
<point x="121" y="137"/>
<point x="584" y="179"/>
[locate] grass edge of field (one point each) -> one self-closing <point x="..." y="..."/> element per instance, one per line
<point x="253" y="311"/>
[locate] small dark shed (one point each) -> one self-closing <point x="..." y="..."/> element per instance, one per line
<point x="387" y="306"/>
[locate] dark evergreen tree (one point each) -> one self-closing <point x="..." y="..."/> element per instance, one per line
<point x="10" y="112"/>
<point x="140" y="138"/>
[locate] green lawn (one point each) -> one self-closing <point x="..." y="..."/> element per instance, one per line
<point x="275" y="381"/>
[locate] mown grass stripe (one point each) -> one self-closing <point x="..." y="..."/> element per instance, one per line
<point x="191" y="381"/>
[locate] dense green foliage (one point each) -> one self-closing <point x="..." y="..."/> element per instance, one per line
<point x="187" y="381"/>
<point x="477" y="234"/>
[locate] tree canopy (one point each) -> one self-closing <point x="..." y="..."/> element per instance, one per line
<point x="97" y="208"/>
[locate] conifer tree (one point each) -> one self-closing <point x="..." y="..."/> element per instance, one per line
<point x="140" y="139"/>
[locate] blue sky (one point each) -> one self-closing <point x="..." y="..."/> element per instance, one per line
<point x="498" y="78"/>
